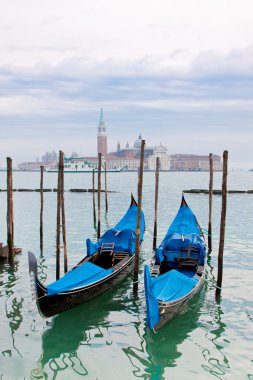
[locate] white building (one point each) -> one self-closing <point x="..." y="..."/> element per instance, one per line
<point x="113" y="163"/>
<point x="161" y="152"/>
<point x="30" y="166"/>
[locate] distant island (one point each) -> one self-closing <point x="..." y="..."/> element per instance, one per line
<point x="125" y="158"/>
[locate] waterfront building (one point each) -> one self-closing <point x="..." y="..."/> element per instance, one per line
<point x="50" y="157"/>
<point x="128" y="152"/>
<point x="126" y="164"/>
<point x="191" y="162"/>
<point x="31" y="165"/>
<point x="102" y="135"/>
<point x="204" y="163"/>
<point x="129" y="157"/>
<point x="161" y="152"/>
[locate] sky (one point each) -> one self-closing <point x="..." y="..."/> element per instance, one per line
<point x="180" y="72"/>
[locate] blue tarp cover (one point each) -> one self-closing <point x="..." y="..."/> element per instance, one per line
<point x="122" y="235"/>
<point x="169" y="286"/>
<point x="81" y="276"/>
<point x="172" y="285"/>
<point x="185" y="223"/>
<point x="153" y="315"/>
<point x="183" y="232"/>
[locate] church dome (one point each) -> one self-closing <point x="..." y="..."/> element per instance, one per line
<point x="137" y="144"/>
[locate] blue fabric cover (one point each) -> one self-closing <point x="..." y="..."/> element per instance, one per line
<point x="159" y="257"/>
<point x="183" y="232"/>
<point x="123" y="235"/>
<point x="80" y="276"/>
<point x="170" y="286"/>
<point x="153" y="315"/>
<point x="185" y="223"/>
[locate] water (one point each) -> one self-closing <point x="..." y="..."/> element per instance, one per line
<point x="107" y="338"/>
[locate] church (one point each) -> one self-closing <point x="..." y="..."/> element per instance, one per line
<point x="129" y="156"/>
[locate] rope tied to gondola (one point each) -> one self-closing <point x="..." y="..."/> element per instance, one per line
<point x="150" y="231"/>
<point x="205" y="231"/>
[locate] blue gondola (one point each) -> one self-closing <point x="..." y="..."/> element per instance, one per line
<point x="178" y="272"/>
<point x="107" y="262"/>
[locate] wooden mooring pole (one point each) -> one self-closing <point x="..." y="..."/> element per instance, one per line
<point x="41" y="206"/>
<point x="106" y="199"/>
<point x="10" y="224"/>
<point x="156" y="199"/>
<point x="64" y="238"/>
<point x="222" y="224"/>
<point x="93" y="194"/>
<point x="137" y="241"/>
<point x="58" y="220"/>
<point x="99" y="194"/>
<point x="210" y="203"/>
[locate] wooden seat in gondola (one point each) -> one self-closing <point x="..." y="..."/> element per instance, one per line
<point x="105" y="259"/>
<point x="118" y="256"/>
<point x="155" y="271"/>
<point x="107" y="248"/>
<point x="188" y="258"/>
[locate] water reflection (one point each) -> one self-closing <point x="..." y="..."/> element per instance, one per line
<point x="106" y="221"/>
<point x="156" y="353"/>
<point x="71" y="330"/>
<point x="12" y="304"/>
<point x="217" y="363"/>
<point x="43" y="269"/>
<point x="160" y="351"/>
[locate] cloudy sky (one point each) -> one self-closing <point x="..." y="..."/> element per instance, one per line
<point x="179" y="72"/>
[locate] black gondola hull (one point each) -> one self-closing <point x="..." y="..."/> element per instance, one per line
<point x="121" y="262"/>
<point x="56" y="304"/>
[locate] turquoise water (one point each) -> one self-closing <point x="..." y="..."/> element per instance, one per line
<point x="107" y="338"/>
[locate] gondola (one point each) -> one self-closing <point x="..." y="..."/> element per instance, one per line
<point x="178" y="270"/>
<point x="108" y="261"/>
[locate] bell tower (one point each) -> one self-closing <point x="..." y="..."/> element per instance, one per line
<point x="102" y="135"/>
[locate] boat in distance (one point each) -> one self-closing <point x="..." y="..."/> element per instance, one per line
<point x="178" y="270"/>
<point x="82" y="165"/>
<point x="108" y="261"/>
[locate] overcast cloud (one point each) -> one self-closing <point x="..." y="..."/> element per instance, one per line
<point x="179" y="72"/>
